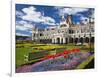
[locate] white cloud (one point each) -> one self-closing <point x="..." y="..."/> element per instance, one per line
<point x="29" y="10"/>
<point x="48" y="19"/>
<point x="21" y="22"/>
<point x="48" y="23"/>
<point x="34" y="16"/>
<point x="84" y="19"/>
<point x="23" y="25"/>
<point x="70" y="11"/>
<point x="30" y="31"/>
<point x="19" y="14"/>
<point x="21" y="34"/>
<point x="78" y="23"/>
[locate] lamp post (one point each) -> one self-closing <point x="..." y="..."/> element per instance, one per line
<point x="90" y="13"/>
<point x="90" y="32"/>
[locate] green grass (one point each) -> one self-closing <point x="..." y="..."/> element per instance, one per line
<point x="86" y="62"/>
<point x="20" y="52"/>
<point x="24" y="49"/>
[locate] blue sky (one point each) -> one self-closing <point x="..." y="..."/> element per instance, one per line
<point x="45" y="16"/>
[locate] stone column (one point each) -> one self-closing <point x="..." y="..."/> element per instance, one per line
<point x="60" y="40"/>
<point x="53" y="41"/>
<point x="64" y="41"/>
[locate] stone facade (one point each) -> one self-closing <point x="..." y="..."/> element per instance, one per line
<point x="65" y="33"/>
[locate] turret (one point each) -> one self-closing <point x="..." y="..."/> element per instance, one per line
<point x="69" y="20"/>
<point x="34" y="32"/>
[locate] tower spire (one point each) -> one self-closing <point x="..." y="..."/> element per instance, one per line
<point x="62" y="17"/>
<point x="69" y="20"/>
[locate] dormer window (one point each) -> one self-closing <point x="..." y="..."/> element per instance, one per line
<point x="63" y="25"/>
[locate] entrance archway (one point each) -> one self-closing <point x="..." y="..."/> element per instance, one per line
<point x="87" y="39"/>
<point x="71" y="40"/>
<point x="76" y="40"/>
<point x="66" y="40"/>
<point x="92" y="39"/>
<point x="81" y="40"/>
<point x="58" y="40"/>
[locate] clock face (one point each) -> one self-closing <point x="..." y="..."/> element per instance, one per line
<point x="59" y="31"/>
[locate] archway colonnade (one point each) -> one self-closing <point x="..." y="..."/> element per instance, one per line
<point x="60" y="40"/>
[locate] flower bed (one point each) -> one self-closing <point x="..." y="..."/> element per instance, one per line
<point x="62" y="61"/>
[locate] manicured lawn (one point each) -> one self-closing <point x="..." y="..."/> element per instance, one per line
<point x="86" y="62"/>
<point x="20" y="52"/>
<point x="24" y="49"/>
